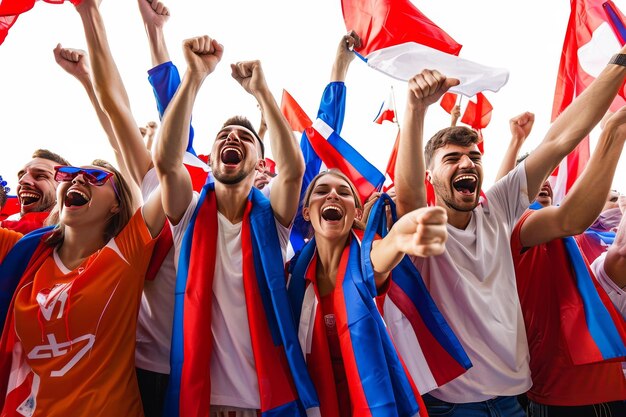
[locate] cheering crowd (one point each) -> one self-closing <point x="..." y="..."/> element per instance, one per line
<point x="135" y="289"/>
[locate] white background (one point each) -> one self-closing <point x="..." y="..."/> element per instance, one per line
<point x="43" y="107"/>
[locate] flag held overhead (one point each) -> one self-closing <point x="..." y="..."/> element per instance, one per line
<point x="398" y="40"/>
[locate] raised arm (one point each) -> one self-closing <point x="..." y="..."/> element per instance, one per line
<point x="615" y="261"/>
<point x="421" y="232"/>
<point x="154" y="15"/>
<point x="344" y="56"/>
<point x="520" y="126"/>
<point x="455" y="114"/>
<point x="574" y="124"/>
<point x="76" y="63"/>
<point x="202" y="55"/>
<point x="113" y="99"/>
<point x="112" y="94"/>
<point x="585" y="201"/>
<point x="285" y="149"/>
<point x="424" y="89"/>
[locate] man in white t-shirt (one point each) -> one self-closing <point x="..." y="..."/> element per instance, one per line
<point x="473" y="282"/>
<point x="225" y="377"/>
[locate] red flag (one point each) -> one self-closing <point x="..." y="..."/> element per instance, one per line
<point x="387" y="110"/>
<point x="448" y="101"/>
<point x="270" y="165"/>
<point x="297" y="118"/>
<point x="11" y="9"/>
<point x="391" y="165"/>
<point x="398" y="40"/>
<point x="385" y="23"/>
<point x="589" y="43"/>
<point x="478" y="115"/>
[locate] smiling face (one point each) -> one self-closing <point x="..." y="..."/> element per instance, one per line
<point x="80" y="202"/>
<point x="235" y="154"/>
<point x="36" y="187"/>
<point x="331" y="206"/>
<point x="456" y="175"/>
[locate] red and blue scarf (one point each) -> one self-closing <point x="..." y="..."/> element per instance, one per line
<point x="594" y="331"/>
<point x="445" y="357"/>
<point x="285" y="388"/>
<point x="378" y="382"/>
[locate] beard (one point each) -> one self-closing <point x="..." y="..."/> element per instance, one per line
<point x="233" y="178"/>
<point x="46" y="203"/>
<point x="445" y="193"/>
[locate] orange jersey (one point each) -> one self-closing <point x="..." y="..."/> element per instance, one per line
<point x="76" y="330"/>
<point x="8" y="239"/>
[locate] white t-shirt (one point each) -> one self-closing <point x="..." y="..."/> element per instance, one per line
<point x="156" y="314"/>
<point x="233" y="375"/>
<point x="473" y="284"/>
<point x="616" y="294"/>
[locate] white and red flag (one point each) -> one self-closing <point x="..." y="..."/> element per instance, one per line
<point x="398" y="40"/>
<point x="595" y="31"/>
<point x="387" y="111"/>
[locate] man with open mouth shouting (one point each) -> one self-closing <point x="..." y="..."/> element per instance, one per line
<point x="36" y="191"/>
<point x="232" y="315"/>
<point x="473" y="282"/>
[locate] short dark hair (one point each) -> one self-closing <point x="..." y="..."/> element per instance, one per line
<point x="243" y="121"/>
<point x="51" y="156"/>
<point x="456" y="135"/>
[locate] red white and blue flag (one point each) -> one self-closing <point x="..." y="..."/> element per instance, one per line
<point x="398" y="40"/>
<point x="595" y="31"/>
<point x="387" y="111"/>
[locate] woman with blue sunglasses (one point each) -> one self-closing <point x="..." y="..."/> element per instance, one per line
<point x="68" y="344"/>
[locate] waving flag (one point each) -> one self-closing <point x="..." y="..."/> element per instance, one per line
<point x="448" y="101"/>
<point x="477" y="115"/>
<point x="398" y="40"/>
<point x="387" y="110"/>
<point x="296" y="117"/>
<point x="11" y="9"/>
<point x="335" y="152"/>
<point x="590" y="41"/>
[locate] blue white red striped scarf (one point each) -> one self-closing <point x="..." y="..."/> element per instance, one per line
<point x="594" y="331"/>
<point x="378" y="382"/>
<point x="444" y="357"/>
<point x="285" y="387"/>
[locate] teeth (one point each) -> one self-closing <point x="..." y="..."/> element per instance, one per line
<point x="233" y="149"/>
<point x="28" y="195"/>
<point x="465" y="177"/>
<point x="332" y="207"/>
<point x="83" y="195"/>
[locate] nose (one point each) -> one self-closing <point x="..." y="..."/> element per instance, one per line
<point x="332" y="195"/>
<point x="466" y="162"/>
<point x="232" y="136"/>
<point x="79" y="179"/>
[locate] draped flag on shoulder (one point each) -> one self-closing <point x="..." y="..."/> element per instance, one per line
<point x="590" y="41"/>
<point x="11" y="9"/>
<point x="398" y="40"/>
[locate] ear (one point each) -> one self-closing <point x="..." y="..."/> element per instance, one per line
<point x="260" y="165"/>
<point x="359" y="214"/>
<point x="115" y="208"/>
<point x="306" y="214"/>
<point x="428" y="176"/>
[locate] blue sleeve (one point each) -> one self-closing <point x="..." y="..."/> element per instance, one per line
<point x="165" y="79"/>
<point x="333" y="105"/>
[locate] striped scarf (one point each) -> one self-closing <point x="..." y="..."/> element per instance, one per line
<point x="285" y="388"/>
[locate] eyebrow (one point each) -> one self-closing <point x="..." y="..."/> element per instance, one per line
<point x="21" y="173"/>
<point x="240" y="131"/>
<point x="459" y="154"/>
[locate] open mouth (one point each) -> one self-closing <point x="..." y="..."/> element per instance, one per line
<point x="28" y="197"/>
<point x="231" y="155"/>
<point x="465" y="184"/>
<point x="76" y="198"/>
<point x="332" y="213"/>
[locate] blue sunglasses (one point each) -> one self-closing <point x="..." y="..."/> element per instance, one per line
<point x="97" y="177"/>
